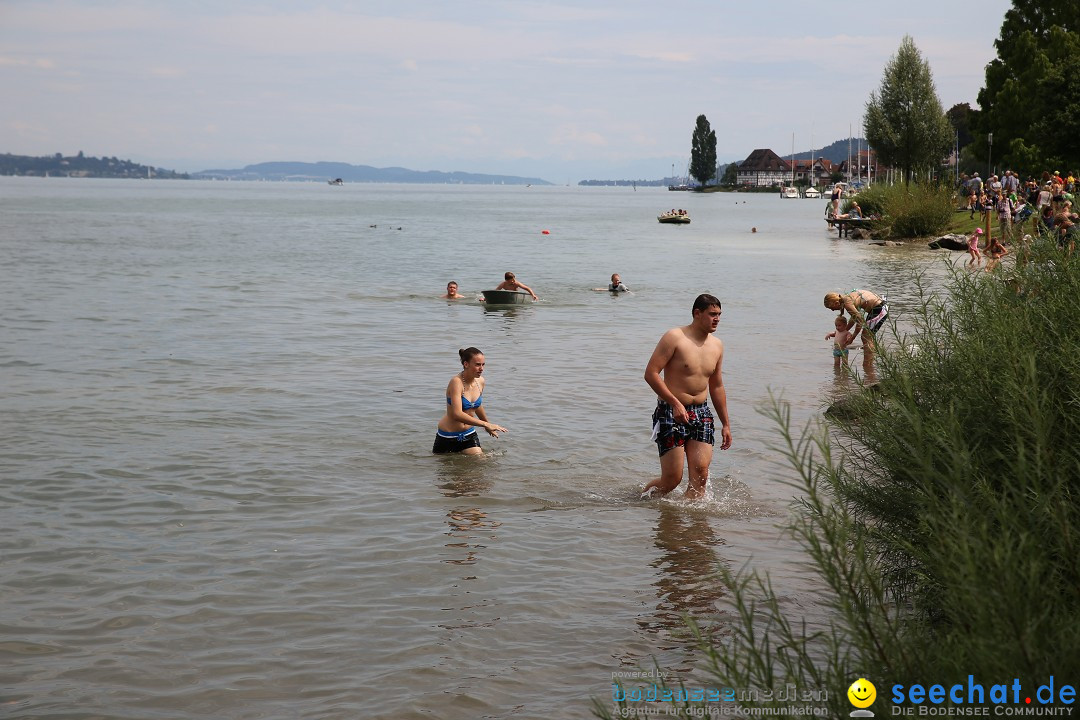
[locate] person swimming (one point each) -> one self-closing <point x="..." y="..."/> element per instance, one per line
<point x="452" y="291"/>
<point x="615" y="286"/>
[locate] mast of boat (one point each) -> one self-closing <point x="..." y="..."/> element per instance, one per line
<point x="849" y="152"/>
<point x="859" y="152"/>
<point x="792" y="159"/>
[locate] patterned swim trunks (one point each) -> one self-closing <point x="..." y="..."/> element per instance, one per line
<point x="876" y="317"/>
<point x="668" y="434"/>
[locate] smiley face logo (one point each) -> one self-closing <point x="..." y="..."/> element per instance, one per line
<point x="862" y="693"/>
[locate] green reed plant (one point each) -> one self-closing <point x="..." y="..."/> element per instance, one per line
<point x="917" y="210"/>
<point x="941" y="509"/>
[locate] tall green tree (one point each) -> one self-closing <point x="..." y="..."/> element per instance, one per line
<point x="905" y="123"/>
<point x="703" y="152"/>
<point x="731" y="175"/>
<point x="1031" y="100"/>
<point x="959" y="116"/>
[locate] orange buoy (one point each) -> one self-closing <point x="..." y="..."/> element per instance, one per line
<point x="545" y="232"/>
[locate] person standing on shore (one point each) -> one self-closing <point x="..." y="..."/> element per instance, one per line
<point x="464" y="409"/>
<point x="690" y="360"/>
<point x="975" y="187"/>
<point x="836" y="193"/>
<point x="855" y="304"/>
<point x="973" y="248"/>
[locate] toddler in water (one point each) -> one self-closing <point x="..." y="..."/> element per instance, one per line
<point x="842" y="339"/>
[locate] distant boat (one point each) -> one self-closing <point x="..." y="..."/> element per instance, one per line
<point x="789" y="192"/>
<point x="812" y="192"/>
<point x="674" y="218"/>
<point x="336" y="181"/>
<point x="685" y="186"/>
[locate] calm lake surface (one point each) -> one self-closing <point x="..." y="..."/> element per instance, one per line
<point x="218" y="405"/>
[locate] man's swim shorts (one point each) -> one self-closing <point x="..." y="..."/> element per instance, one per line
<point x="668" y="434"/>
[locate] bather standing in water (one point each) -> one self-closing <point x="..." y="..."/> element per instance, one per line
<point x="865" y="309"/>
<point x="464" y="409"/>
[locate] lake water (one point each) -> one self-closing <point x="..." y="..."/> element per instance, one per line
<point x="218" y="405"/>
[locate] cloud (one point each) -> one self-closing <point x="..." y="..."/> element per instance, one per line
<point x="674" y="57"/>
<point x="37" y="63"/>
<point x="166" y="72"/>
<point x="571" y="135"/>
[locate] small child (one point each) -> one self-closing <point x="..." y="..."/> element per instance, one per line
<point x="996" y="251"/>
<point x="973" y="247"/>
<point x="842" y="339"/>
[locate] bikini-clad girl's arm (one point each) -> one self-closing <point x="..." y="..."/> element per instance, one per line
<point x="492" y="429"/>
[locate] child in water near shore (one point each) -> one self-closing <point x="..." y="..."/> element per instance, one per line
<point x="842" y="339"/>
<point x="973" y="248"/>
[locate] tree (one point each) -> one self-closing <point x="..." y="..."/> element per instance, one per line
<point x="731" y="175"/>
<point x="904" y="121"/>
<point x="703" y="152"/>
<point x="960" y="118"/>
<point x="1031" y="100"/>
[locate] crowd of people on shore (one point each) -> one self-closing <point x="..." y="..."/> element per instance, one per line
<point x="1047" y="201"/>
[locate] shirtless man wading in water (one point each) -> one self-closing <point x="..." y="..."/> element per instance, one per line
<point x="690" y="359"/>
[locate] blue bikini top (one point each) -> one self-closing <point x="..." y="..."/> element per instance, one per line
<point x="467" y="404"/>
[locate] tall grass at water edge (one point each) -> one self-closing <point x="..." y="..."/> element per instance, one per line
<point x="939" y="508"/>
<point x="916" y="210"/>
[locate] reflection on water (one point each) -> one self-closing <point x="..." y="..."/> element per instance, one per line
<point x="462" y="476"/>
<point x="470" y="528"/>
<point x="686" y="583"/>
<point x="470" y="531"/>
<point x="508" y="313"/>
<point x="466" y="526"/>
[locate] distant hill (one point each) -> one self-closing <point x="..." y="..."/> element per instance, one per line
<point x="80" y="165"/>
<point x="323" y="171"/>
<point x="836" y="152"/>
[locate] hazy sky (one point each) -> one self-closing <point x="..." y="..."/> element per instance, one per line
<point x="564" y="91"/>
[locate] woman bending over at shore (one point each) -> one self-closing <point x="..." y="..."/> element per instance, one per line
<point x="865" y="309"/>
<point x="464" y="410"/>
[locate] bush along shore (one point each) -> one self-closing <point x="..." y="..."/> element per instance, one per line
<point x="941" y="512"/>
<point x="905" y="211"/>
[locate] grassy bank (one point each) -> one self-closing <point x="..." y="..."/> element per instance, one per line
<point x="940" y="511"/>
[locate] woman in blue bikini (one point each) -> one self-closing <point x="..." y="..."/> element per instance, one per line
<point x="464" y="411"/>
